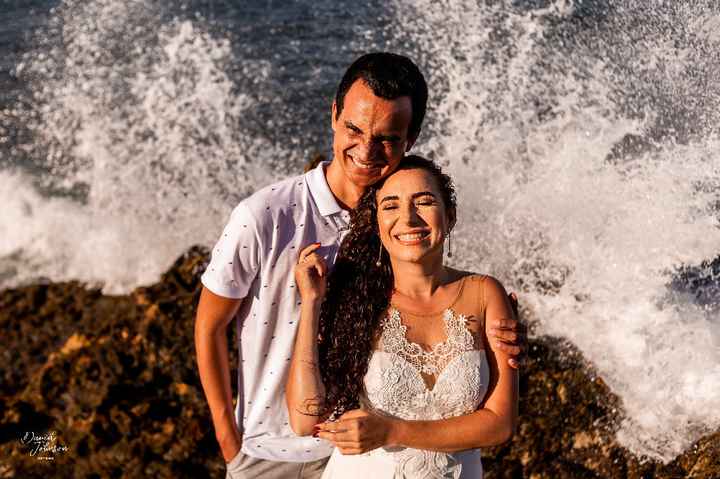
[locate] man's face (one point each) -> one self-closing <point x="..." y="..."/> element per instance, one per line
<point x="371" y="134"/>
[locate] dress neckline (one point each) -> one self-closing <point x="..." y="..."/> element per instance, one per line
<point x="428" y="363"/>
<point x="443" y="310"/>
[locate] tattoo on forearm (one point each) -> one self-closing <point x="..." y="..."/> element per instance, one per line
<point x="312" y="364"/>
<point x="312" y="407"/>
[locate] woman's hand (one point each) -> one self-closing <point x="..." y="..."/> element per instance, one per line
<point x="358" y="431"/>
<point x="310" y="274"/>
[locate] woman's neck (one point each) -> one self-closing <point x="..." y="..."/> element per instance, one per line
<point x="420" y="281"/>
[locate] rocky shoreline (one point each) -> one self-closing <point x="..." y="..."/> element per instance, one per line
<point x="106" y="386"/>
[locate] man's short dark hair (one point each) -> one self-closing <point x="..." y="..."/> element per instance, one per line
<point x="389" y="76"/>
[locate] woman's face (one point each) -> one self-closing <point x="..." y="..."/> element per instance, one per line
<point x="412" y="217"/>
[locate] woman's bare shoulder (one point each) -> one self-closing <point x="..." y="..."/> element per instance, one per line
<point x="463" y="275"/>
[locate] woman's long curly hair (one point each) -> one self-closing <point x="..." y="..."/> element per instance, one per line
<point x="358" y="296"/>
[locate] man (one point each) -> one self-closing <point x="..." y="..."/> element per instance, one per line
<point x="376" y="117"/>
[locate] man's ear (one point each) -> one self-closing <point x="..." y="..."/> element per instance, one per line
<point x="333" y="112"/>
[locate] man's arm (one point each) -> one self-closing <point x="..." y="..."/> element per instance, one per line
<point x="214" y="313"/>
<point x="234" y="265"/>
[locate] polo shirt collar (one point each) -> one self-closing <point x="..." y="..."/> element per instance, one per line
<point x="320" y="191"/>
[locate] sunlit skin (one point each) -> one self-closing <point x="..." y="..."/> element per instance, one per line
<point x="370" y="140"/>
<point x="413" y="220"/>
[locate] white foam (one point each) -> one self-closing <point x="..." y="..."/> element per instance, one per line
<point x="141" y="113"/>
<point x="590" y="234"/>
<point x="61" y="239"/>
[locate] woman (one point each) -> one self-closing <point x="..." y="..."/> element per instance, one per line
<point x="396" y="353"/>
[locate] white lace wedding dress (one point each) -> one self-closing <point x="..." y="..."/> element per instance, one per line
<point x="395" y="386"/>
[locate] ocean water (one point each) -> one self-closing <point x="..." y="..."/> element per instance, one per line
<point x="583" y="137"/>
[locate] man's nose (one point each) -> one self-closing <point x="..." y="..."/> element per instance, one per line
<point x="366" y="151"/>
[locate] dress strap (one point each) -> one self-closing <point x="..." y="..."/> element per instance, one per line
<point x="478" y="292"/>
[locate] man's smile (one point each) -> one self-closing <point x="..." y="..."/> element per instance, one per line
<point x="364" y="166"/>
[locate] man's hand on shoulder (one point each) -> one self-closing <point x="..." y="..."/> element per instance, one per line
<point x="510" y="335"/>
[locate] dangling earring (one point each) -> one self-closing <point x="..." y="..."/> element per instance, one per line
<point x="449" y="237"/>
<point x="378" y="263"/>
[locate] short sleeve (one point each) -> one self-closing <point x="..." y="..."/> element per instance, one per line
<point x="235" y="259"/>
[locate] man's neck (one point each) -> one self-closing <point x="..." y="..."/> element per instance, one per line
<point x="346" y="193"/>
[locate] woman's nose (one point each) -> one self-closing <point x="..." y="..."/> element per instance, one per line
<point x="408" y="214"/>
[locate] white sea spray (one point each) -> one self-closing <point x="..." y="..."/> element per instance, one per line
<point x="137" y="124"/>
<point x="588" y="171"/>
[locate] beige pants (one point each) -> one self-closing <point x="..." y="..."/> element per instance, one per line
<point x="243" y="466"/>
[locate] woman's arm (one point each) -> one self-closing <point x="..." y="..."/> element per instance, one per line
<point x="359" y="431"/>
<point x="305" y="391"/>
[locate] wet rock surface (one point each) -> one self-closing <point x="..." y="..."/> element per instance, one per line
<point x="568" y="423"/>
<point x="106" y="386"/>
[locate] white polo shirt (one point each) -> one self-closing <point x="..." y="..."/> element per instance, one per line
<point x="255" y="259"/>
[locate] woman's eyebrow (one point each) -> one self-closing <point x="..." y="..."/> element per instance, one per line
<point x="412" y="197"/>
<point x="389" y="198"/>
<point x="422" y="193"/>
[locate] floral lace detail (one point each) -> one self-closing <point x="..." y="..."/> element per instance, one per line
<point x="416" y="463"/>
<point x="394" y="386"/>
<point x="394" y="340"/>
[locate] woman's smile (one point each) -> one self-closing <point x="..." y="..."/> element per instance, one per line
<point x="412" y="238"/>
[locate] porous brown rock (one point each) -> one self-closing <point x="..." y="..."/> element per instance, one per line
<point x="115" y="378"/>
<point x="567" y="427"/>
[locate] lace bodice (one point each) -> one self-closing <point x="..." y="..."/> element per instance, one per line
<point x="394" y="340"/>
<point x="394" y="385"/>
